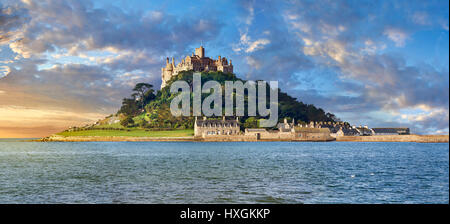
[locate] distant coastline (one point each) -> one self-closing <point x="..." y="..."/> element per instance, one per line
<point x="385" y="138"/>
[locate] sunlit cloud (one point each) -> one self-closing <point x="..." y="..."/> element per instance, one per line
<point x="4" y="71"/>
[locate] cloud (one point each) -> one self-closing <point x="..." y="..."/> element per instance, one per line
<point x="253" y="62"/>
<point x="250" y="46"/>
<point x="396" y="35"/>
<point x="78" y="27"/>
<point x="84" y="47"/>
<point x="421" y="18"/>
<point x="333" y="49"/>
<point x="265" y="49"/>
<point x="11" y="20"/>
<point x="438" y="119"/>
<point x="4" y="71"/>
<point x="256" y="45"/>
<point x="342" y="39"/>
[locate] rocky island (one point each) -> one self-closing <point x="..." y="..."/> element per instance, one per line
<point x="146" y="116"/>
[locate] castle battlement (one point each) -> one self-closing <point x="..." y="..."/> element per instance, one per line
<point x="197" y="62"/>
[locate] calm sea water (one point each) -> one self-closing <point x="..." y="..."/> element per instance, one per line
<point x="227" y="172"/>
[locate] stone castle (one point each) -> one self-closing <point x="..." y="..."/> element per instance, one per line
<point x="197" y="62"/>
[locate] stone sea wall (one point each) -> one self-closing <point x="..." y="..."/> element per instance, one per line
<point x="244" y="138"/>
<point x="396" y="138"/>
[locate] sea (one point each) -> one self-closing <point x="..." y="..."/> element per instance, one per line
<point x="223" y="172"/>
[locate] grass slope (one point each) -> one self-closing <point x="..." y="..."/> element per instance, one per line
<point x="131" y="133"/>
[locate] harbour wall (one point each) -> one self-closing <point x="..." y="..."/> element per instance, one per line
<point x="244" y="138"/>
<point x="395" y="138"/>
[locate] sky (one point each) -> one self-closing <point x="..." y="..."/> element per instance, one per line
<point x="378" y="63"/>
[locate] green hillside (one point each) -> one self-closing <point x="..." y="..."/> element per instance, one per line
<point x="148" y="110"/>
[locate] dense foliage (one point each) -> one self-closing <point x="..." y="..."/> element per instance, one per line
<point x="153" y="111"/>
<point x="142" y="95"/>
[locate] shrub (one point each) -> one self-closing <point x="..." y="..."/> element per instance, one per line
<point x="127" y="121"/>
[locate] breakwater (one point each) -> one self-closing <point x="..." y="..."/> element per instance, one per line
<point x="396" y="138"/>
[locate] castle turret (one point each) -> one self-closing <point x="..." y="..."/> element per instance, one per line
<point x="200" y="52"/>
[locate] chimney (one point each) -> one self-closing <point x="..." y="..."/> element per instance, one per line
<point x="167" y="61"/>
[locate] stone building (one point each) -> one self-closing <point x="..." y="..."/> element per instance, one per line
<point x="197" y="62"/>
<point x="214" y="128"/>
<point x="343" y="131"/>
<point x="338" y="129"/>
<point x="364" y="131"/>
<point x="291" y="132"/>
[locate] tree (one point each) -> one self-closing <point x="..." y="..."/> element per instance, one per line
<point x="129" y="107"/>
<point x="144" y="92"/>
<point x="251" y="122"/>
<point x="127" y="121"/>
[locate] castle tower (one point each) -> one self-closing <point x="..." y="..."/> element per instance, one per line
<point x="200" y="52"/>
